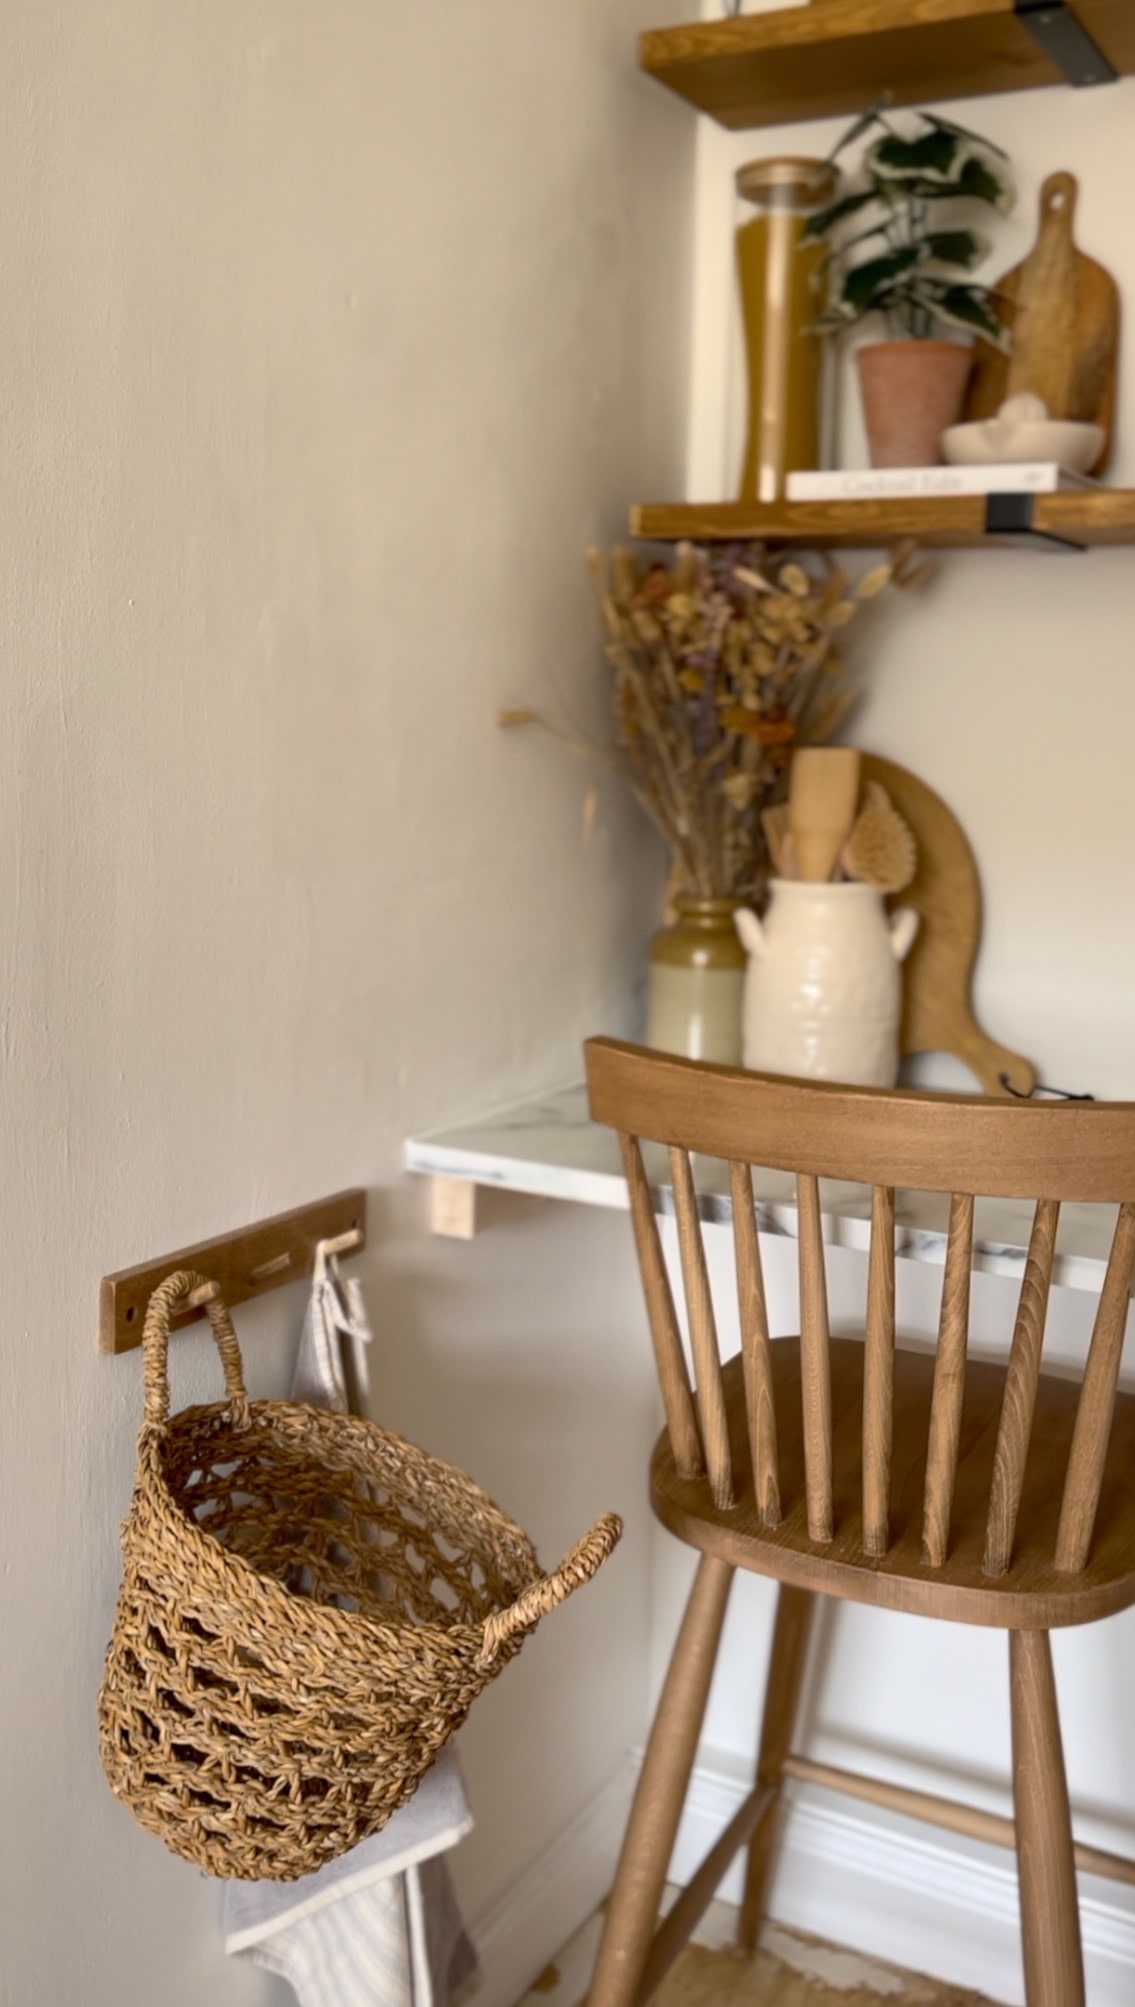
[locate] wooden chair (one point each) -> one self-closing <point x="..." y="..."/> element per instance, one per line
<point x="982" y="1493"/>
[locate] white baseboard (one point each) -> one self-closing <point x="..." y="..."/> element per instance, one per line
<point x="886" y="1886"/>
<point x="519" y="1936"/>
<point x="901" y="1891"/>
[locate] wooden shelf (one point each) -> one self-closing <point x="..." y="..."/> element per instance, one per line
<point x="1080" y="517"/>
<point x="833" y="58"/>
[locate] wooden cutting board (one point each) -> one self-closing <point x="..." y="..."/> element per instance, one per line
<point x="1063" y="310"/>
<point x="938" y="972"/>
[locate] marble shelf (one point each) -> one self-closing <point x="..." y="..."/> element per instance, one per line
<point x="549" y="1148"/>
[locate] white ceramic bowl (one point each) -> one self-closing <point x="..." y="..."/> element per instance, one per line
<point x="1071" y="444"/>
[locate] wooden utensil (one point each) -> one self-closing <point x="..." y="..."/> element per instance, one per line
<point x="774" y="822"/>
<point x="1063" y="310"/>
<point x="880" y="850"/>
<point x="946" y="892"/>
<point x="823" y="791"/>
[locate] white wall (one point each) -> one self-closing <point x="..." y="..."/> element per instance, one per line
<point x="331" y="336"/>
<point x="1006" y="685"/>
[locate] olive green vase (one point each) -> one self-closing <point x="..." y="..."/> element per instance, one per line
<point x="696" y="983"/>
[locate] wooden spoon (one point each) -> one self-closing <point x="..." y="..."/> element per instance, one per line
<point x="822" y="795"/>
<point x="774" y="822"/>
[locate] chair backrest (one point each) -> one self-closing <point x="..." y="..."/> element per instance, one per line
<point x="961" y="1145"/>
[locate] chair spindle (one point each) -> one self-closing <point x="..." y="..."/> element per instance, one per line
<point x="1097" y="1401"/>
<point x="685" y="1439"/>
<point x="1019" y="1398"/>
<point x="703" y="1333"/>
<point x="755" y="1354"/>
<point x="949" y="1383"/>
<point x="815" y="1361"/>
<point x="879" y="1374"/>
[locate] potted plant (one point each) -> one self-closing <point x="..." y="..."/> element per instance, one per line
<point x="908" y="263"/>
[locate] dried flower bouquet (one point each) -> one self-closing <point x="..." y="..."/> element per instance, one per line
<point x="724" y="660"/>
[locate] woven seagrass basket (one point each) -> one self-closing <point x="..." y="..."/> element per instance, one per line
<point x="309" y="1607"/>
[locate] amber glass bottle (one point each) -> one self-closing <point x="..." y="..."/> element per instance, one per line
<point x="780" y="303"/>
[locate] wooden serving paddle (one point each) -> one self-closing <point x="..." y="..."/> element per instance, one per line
<point x="1063" y="312"/>
<point x="937" y="979"/>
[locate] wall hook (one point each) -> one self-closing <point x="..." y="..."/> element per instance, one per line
<point x="342" y="1243"/>
<point x="240" y="1265"/>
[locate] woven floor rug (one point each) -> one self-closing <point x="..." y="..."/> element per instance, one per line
<point x="704" y="1978"/>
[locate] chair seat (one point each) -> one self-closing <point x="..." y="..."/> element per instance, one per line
<point x="1032" y="1595"/>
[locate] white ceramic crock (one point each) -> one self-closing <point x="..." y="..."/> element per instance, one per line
<point x="823" y="989"/>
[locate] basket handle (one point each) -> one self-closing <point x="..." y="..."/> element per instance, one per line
<point x="574" y="1570"/>
<point x="162" y="1308"/>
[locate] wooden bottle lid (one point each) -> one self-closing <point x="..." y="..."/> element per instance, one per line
<point x="788" y="180"/>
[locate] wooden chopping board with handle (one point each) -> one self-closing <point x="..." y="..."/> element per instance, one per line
<point x="938" y="972"/>
<point x="1063" y="311"/>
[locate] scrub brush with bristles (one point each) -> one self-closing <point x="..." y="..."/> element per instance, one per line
<point x="880" y="850"/>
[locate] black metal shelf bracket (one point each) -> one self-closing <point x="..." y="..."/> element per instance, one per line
<point x="1057" y="30"/>
<point x="1011" y="517"/>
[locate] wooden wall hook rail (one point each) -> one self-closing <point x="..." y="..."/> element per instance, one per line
<point x="243" y="1264"/>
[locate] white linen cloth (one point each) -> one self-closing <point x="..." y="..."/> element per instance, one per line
<point x="335" y="1321"/>
<point x="377" y="1928"/>
<point x="380" y="1926"/>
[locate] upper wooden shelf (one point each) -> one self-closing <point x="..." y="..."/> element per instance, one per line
<point x="1079" y="517"/>
<point x="832" y="58"/>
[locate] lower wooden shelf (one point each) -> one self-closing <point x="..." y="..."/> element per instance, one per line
<point x="1080" y="519"/>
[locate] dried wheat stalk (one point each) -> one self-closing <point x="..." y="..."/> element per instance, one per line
<point x="724" y="661"/>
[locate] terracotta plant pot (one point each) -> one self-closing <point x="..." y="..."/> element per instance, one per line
<point x="912" y="390"/>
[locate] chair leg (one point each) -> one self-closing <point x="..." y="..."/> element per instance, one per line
<point x="1050" y="1914"/>
<point x="632" y="1912"/>
<point x="794" y="1610"/>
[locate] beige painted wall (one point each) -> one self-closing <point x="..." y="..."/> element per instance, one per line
<point x="330" y="336"/>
